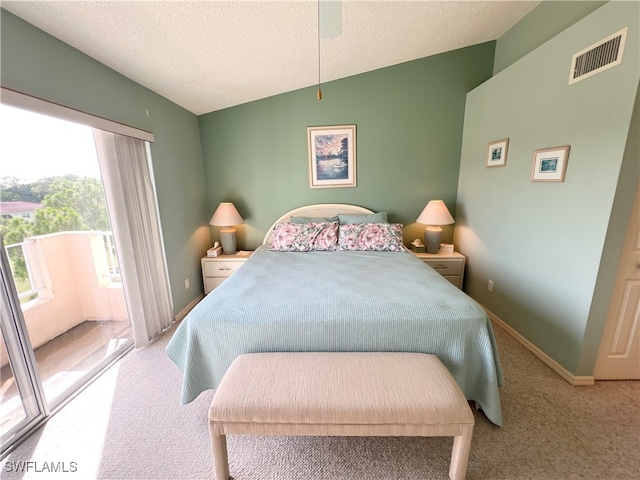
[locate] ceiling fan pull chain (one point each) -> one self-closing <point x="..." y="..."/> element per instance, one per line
<point x="319" y="94"/>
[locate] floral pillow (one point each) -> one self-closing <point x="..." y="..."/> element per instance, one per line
<point x="371" y="236"/>
<point x="304" y="237"/>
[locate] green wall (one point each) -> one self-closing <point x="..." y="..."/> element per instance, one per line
<point x="542" y="23"/>
<point x="542" y="243"/>
<point x="409" y="120"/>
<point x="37" y="64"/>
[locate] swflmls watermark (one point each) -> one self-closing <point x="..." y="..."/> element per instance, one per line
<point x="13" y="466"/>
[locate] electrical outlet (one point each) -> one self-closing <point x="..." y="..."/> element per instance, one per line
<point x="186" y="284"/>
<point x="490" y="286"/>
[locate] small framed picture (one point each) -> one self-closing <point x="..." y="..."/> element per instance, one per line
<point x="550" y="164"/>
<point x="497" y="153"/>
<point x="332" y="156"/>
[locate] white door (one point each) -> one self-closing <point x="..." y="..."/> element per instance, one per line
<point x="619" y="355"/>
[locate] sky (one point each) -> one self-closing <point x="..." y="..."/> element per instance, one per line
<point x="329" y="144"/>
<point x="34" y="146"/>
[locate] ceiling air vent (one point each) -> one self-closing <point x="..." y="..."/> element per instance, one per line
<point x="598" y="57"/>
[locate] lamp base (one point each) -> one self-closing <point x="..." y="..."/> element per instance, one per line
<point x="228" y="240"/>
<point x="432" y="238"/>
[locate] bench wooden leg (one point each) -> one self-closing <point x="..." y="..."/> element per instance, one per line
<point x="220" y="458"/>
<point x="460" y="454"/>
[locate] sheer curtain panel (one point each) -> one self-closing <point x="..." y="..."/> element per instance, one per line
<point x="131" y="198"/>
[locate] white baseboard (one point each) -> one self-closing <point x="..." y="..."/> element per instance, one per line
<point x="183" y="313"/>
<point x="546" y="359"/>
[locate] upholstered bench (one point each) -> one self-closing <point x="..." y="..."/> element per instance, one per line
<point x="363" y="394"/>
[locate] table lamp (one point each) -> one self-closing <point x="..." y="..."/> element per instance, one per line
<point x="434" y="215"/>
<point x="226" y="216"/>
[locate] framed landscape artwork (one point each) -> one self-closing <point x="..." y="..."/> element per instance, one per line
<point x="550" y="164"/>
<point x="497" y="153"/>
<point x="332" y="156"/>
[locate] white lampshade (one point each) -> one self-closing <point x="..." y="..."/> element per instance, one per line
<point x="226" y="215"/>
<point x="435" y="213"/>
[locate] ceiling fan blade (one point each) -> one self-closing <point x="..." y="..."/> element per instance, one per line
<point x="330" y="18"/>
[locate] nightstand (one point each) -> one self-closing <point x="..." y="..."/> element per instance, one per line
<point x="216" y="270"/>
<point x="449" y="265"/>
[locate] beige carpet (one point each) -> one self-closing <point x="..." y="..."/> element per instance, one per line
<point x="129" y="425"/>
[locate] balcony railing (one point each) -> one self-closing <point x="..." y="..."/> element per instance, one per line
<point x="29" y="285"/>
<point x="72" y="272"/>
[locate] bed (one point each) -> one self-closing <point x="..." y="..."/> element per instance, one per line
<point x="338" y="300"/>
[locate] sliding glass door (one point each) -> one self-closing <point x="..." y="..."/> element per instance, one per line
<point x="64" y="315"/>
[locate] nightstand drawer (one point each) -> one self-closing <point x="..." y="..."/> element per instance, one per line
<point x="449" y="265"/>
<point x="455" y="280"/>
<point x="211" y="283"/>
<point x="216" y="270"/>
<point x="220" y="268"/>
<point x="446" y="267"/>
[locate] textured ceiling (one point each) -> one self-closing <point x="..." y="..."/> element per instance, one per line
<point x="210" y="55"/>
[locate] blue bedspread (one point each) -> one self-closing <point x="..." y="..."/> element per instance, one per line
<point x="338" y="301"/>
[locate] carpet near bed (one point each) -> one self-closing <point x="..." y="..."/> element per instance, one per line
<point x="129" y="425"/>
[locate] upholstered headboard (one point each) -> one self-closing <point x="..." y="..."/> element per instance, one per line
<point x="317" y="210"/>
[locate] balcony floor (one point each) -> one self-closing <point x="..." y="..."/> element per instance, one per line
<point x="63" y="361"/>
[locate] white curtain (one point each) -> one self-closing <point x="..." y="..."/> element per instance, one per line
<point x="131" y="200"/>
